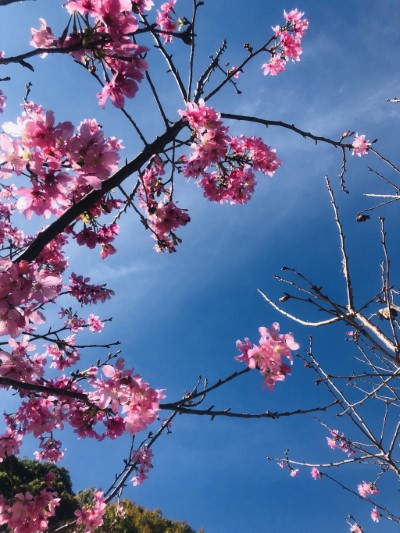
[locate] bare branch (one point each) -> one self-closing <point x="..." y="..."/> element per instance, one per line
<point x="228" y="413"/>
<point x="345" y="259"/>
<point x="292" y="127"/>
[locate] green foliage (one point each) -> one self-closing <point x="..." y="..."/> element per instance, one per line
<point x="137" y="519"/>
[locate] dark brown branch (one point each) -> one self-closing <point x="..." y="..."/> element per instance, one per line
<point x="228" y="413"/>
<point x="251" y="56"/>
<point x="54" y="391"/>
<point x="8" y="2"/>
<point x="279" y="123"/>
<point x="195" y="394"/>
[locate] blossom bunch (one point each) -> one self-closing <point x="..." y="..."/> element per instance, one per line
<point x="268" y="355"/>
<point x="165" y="21"/>
<point x="366" y="489"/>
<point x="123" y="403"/>
<point x="287" y="42"/>
<point x="87" y="293"/>
<point x="338" y="441"/>
<point x="91" y="516"/>
<point x="22" y="287"/>
<point x="62" y="165"/>
<point x="163" y="216"/>
<point x="27" y="513"/>
<point x="233" y="158"/>
<point x="142" y="459"/>
<point x="137" y="400"/>
<point x="104" y="41"/>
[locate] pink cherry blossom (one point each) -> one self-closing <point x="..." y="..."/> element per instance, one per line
<point x="30" y="513"/>
<point x="315" y="473"/>
<point x="142" y="459"/>
<point x="275" y="66"/>
<point x="164" y="20"/>
<point x="375" y="516"/>
<point x="95" y="324"/>
<point x="288" y="42"/>
<point x="267" y="357"/>
<point x="43" y="37"/>
<point x="92" y="516"/>
<point x="234" y="72"/>
<point x="116" y="89"/>
<point x="365" y="489"/>
<point x="233" y="158"/>
<point x="50" y="450"/>
<point x="3" y="99"/>
<point x="360" y="145"/>
<point x="339" y="441"/>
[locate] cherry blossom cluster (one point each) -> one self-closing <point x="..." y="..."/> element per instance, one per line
<point x="87" y="293"/>
<point x="287" y="42"/>
<point x="62" y="166"/>
<point x="123" y="390"/>
<point x="163" y="216"/>
<point x="22" y="288"/>
<point x="233" y="159"/>
<point x="91" y="517"/>
<point x="366" y="489"/>
<point x="28" y="513"/>
<point x="165" y="20"/>
<point x="338" y="441"/>
<point x="286" y="464"/>
<point x="142" y="459"/>
<point x="267" y="356"/>
<point x="122" y="403"/>
<point x="102" y="39"/>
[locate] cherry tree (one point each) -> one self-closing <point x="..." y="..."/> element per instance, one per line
<point x="72" y="176"/>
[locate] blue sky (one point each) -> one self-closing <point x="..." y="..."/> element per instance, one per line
<point x="179" y="315"/>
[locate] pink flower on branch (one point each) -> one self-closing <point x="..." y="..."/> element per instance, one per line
<point x="360" y="145"/>
<point x="122" y="390"/>
<point x="3" y="99"/>
<point x="275" y="66"/>
<point x="224" y="164"/>
<point x="375" y="516"/>
<point x="288" y="42"/>
<point x="164" y="20"/>
<point x="28" y="513"/>
<point x="95" y="324"/>
<point x="92" y="516"/>
<point x="142" y="459"/>
<point x="315" y="473"/>
<point x="43" y="37"/>
<point x="366" y="489"/>
<point x="340" y="442"/>
<point x="267" y="356"/>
